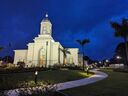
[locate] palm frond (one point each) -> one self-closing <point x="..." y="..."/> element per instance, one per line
<point x="118" y="33"/>
<point x="65" y="51"/>
<point x="85" y="41"/>
<point x="79" y="41"/>
<point x="121" y="30"/>
<point x="116" y="26"/>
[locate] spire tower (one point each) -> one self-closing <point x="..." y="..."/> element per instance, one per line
<point x="46" y="26"/>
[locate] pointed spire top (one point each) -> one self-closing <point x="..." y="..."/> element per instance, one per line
<point x="45" y="19"/>
<point x="46" y="15"/>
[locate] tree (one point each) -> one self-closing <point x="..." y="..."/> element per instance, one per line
<point x="82" y="43"/>
<point x="120" y="51"/>
<point x="121" y="30"/>
<point x="65" y="52"/>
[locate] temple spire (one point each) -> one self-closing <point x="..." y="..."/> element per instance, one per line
<point x="46" y="26"/>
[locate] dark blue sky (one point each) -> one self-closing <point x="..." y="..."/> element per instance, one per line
<point x="71" y="19"/>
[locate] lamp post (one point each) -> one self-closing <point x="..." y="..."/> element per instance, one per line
<point x="106" y="63"/>
<point x="87" y="70"/>
<point x="118" y="59"/>
<point x="36" y="73"/>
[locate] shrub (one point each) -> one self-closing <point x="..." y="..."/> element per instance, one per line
<point x="44" y="90"/>
<point x="20" y="70"/>
<point x="21" y="64"/>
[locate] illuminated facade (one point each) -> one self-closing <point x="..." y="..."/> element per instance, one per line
<point x="44" y="51"/>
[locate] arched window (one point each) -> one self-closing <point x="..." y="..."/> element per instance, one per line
<point x="42" y="57"/>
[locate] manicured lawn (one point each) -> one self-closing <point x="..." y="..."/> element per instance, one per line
<point x="16" y="80"/>
<point x="115" y="85"/>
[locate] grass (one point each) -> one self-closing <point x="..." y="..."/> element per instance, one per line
<point x="17" y="80"/>
<point x="115" y="85"/>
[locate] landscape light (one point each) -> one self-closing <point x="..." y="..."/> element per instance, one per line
<point x="36" y="73"/>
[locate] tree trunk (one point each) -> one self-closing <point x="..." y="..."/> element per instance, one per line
<point x="83" y="56"/>
<point x="126" y="49"/>
<point x="63" y="59"/>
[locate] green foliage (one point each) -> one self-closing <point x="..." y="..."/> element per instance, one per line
<point x="5" y="70"/>
<point x="83" y="42"/>
<point x="120" y="51"/>
<point x="65" y="51"/>
<point x="121" y="30"/>
<point x="9" y="66"/>
<point x="21" y="64"/>
<point x="44" y="77"/>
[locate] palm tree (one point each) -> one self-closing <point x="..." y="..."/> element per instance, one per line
<point x="65" y="52"/>
<point x="121" y="30"/>
<point x="82" y="43"/>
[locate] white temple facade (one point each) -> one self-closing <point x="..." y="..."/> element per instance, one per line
<point x="44" y="51"/>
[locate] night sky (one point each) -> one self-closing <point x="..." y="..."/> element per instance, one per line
<point x="71" y="19"/>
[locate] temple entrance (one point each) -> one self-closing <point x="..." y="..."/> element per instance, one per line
<point x="42" y="58"/>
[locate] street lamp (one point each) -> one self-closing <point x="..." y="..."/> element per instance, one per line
<point x="100" y="62"/>
<point x="36" y="73"/>
<point x="107" y="61"/>
<point x="118" y="57"/>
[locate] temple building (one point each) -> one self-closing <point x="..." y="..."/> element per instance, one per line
<point x="45" y="51"/>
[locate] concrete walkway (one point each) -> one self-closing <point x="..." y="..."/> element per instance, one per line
<point x="71" y="84"/>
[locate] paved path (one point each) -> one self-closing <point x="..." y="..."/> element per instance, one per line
<point x="71" y="84"/>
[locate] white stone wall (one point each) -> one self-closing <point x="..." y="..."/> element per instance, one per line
<point x="30" y="54"/>
<point x="61" y="54"/>
<point x="20" y="55"/>
<point x="54" y="55"/>
<point x="74" y="55"/>
<point x="80" y="59"/>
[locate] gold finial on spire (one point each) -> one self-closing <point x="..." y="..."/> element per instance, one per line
<point x="46" y="15"/>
